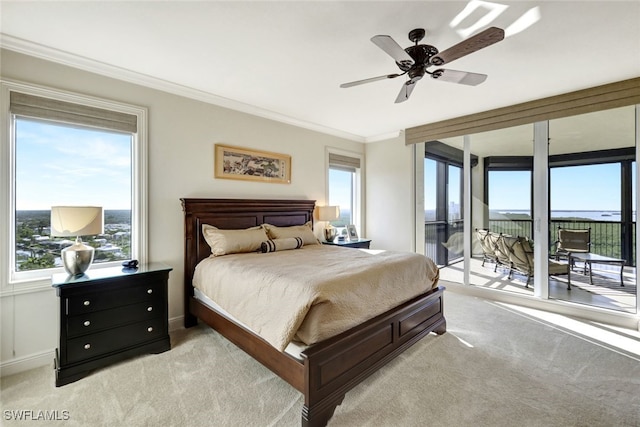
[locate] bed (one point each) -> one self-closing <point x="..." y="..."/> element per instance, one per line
<point x="324" y="372"/>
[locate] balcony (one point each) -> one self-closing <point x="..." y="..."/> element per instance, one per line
<point x="606" y="236"/>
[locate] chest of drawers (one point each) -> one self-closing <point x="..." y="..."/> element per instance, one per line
<point x="108" y="315"/>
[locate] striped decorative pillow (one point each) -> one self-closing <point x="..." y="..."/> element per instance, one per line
<point x="281" y="244"/>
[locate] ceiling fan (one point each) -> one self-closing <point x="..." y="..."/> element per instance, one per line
<point x="416" y="60"/>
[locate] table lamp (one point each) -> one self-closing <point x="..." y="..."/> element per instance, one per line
<point x="76" y="221"/>
<point x="329" y="213"/>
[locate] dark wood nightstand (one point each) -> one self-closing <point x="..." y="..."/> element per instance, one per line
<point x="360" y="243"/>
<point x="110" y="314"/>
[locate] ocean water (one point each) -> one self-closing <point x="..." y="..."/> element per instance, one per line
<point x="591" y="215"/>
<point x="613" y="216"/>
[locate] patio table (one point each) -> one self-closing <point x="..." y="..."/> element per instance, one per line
<point x="589" y="259"/>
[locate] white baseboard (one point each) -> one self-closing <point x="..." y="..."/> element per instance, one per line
<point x="176" y="323"/>
<point x="32" y="361"/>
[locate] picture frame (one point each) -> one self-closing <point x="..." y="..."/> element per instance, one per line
<point x="251" y="165"/>
<point x="353" y="233"/>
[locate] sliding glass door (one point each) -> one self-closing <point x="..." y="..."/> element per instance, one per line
<point x="592" y="196"/>
<point x="529" y="185"/>
<point x="443" y="203"/>
<point x="502" y="208"/>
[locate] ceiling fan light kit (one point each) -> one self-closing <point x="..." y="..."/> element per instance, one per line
<point x="415" y="61"/>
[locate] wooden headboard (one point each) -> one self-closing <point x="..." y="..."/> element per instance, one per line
<point x="232" y="214"/>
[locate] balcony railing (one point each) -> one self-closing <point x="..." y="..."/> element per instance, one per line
<point x="438" y="232"/>
<point x="606" y="236"/>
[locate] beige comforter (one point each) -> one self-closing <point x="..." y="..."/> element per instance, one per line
<point x="312" y="293"/>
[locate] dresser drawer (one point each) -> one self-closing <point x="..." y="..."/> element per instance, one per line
<point x="116" y="339"/>
<point x="90" y="302"/>
<point x="89" y="323"/>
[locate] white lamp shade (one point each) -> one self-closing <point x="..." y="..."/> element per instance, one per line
<point x="73" y="221"/>
<point x="328" y="213"/>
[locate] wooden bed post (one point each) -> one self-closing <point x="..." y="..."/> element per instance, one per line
<point x="320" y="415"/>
<point x="189" y="319"/>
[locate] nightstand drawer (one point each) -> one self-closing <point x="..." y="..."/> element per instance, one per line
<point x="91" y="322"/>
<point x="359" y="243"/>
<point x="91" y="302"/>
<point x="116" y="339"/>
<point x="362" y="245"/>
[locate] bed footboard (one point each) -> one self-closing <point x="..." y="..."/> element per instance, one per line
<point x="337" y="365"/>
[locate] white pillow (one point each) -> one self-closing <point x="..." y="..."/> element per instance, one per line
<point x="223" y="242"/>
<point x="304" y="231"/>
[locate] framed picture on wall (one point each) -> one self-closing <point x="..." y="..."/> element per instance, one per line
<point x="353" y="234"/>
<point x="251" y="165"/>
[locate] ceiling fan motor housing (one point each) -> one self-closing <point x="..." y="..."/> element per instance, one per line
<point x="421" y="55"/>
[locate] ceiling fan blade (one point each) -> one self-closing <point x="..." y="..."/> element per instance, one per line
<point x="461" y="77"/>
<point x="481" y="40"/>
<point x="392" y="49"/>
<point x="406" y="89"/>
<point x="372" y="79"/>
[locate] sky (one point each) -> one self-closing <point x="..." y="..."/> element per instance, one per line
<point x="62" y="165"/>
<point x="573" y="188"/>
<point x="592" y="187"/>
<point x="340" y="188"/>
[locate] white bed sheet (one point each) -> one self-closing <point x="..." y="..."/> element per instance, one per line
<point x="294" y="348"/>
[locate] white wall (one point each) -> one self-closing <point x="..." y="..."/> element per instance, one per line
<point x="182" y="133"/>
<point x="390" y="195"/>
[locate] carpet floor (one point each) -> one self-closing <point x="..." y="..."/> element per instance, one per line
<point x="496" y="366"/>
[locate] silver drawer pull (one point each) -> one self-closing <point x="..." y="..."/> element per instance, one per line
<point x="87" y="346"/>
<point x="149" y="308"/>
<point x="149" y="329"/>
<point x="87" y="302"/>
<point x="86" y="323"/>
<point x="149" y="291"/>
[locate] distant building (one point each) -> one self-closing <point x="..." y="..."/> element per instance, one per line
<point x="109" y="248"/>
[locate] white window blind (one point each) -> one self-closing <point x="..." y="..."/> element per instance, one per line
<point x="342" y="162"/>
<point x="67" y="112"/>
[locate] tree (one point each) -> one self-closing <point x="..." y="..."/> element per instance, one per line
<point x="36" y="263"/>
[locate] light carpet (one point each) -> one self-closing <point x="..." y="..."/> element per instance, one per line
<point x="494" y="367"/>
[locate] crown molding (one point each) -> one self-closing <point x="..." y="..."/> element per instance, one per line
<point x="384" y="136"/>
<point x="47" y="53"/>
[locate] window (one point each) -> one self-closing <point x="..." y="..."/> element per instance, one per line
<point x="430" y="193"/>
<point x="66" y="149"/>
<point x="443" y="211"/>
<point x="344" y="188"/>
<point x="509" y="193"/>
<point x="508" y="190"/>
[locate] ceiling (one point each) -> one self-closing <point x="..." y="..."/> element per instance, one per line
<point x="286" y="60"/>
